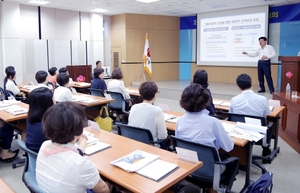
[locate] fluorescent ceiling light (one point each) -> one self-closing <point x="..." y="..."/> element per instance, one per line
<point x="39" y="2"/>
<point x="99" y="10"/>
<point x="147" y="1"/>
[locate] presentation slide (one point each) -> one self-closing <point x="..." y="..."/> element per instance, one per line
<point x="221" y="40"/>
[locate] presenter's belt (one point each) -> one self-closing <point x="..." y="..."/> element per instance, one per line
<point x="264" y="60"/>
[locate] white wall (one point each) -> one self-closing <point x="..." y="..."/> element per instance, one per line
<point x="66" y="36"/>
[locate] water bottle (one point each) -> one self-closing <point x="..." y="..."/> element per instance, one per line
<point x="288" y="89"/>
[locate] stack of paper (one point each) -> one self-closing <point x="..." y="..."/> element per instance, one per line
<point x="216" y="102"/>
<point x="245" y="131"/>
<point x="83" y="99"/>
<point x="145" y="164"/>
<point x="227" y="104"/>
<point x="168" y="116"/>
<point x="95" y="147"/>
<point x="16" y="110"/>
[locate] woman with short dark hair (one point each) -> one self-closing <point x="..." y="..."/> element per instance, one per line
<point x="53" y="74"/>
<point x="10" y="82"/>
<point x="201" y="78"/>
<point x="62" y="93"/>
<point x="98" y="82"/>
<point x="59" y="165"/>
<point x="147" y="116"/>
<point x="196" y="125"/>
<point x="40" y="99"/>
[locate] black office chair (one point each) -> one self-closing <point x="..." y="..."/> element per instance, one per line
<point x="140" y="134"/>
<point x="28" y="177"/>
<point x="3" y="94"/>
<point x="210" y="175"/>
<point x="118" y="106"/>
<point x="50" y="84"/>
<point x="96" y="92"/>
<point x="18" y="98"/>
<point x="265" y="142"/>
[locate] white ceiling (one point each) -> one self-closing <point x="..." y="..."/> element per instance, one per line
<point x="162" y="7"/>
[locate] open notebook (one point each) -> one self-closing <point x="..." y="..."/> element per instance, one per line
<point x="16" y="110"/>
<point x="145" y="164"/>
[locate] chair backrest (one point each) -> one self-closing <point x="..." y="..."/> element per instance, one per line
<point x="29" y="178"/>
<point x="241" y="118"/>
<point x="96" y="92"/>
<point x="118" y="97"/>
<point x="207" y="154"/>
<point x="135" y="133"/>
<point x="50" y="84"/>
<point x="3" y="94"/>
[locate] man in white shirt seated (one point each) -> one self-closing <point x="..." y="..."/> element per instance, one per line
<point x="147" y="116"/>
<point x="249" y="103"/>
<point x="41" y="78"/>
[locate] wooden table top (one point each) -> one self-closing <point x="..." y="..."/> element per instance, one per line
<point x="7" y="117"/>
<point x="5" y="187"/>
<point x="80" y="84"/>
<point x="295" y="100"/>
<point x="122" y="146"/>
<point x="237" y="141"/>
<point x="133" y="91"/>
<point x="101" y="100"/>
<point x="274" y="113"/>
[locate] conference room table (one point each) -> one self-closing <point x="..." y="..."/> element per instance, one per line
<point x="80" y="85"/>
<point x="97" y="100"/>
<point x="274" y="117"/>
<point x="121" y="146"/>
<point x="243" y="149"/>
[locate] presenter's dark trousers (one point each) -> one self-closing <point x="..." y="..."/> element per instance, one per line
<point x="264" y="69"/>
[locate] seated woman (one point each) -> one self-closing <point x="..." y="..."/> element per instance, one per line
<point x="6" y="135"/>
<point x="53" y="74"/>
<point x="62" y="93"/>
<point x="117" y="85"/>
<point x="201" y="77"/>
<point x="41" y="78"/>
<point x="98" y="82"/>
<point x="147" y="116"/>
<point x="11" y="84"/>
<point x="197" y="126"/>
<point x="59" y="165"/>
<point x="40" y="99"/>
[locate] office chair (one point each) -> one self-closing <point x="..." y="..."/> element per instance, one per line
<point x="2" y="92"/>
<point x="96" y="92"/>
<point x="18" y="98"/>
<point x="140" y="134"/>
<point x="28" y="177"/>
<point x="50" y="84"/>
<point x="210" y="175"/>
<point x="118" y="106"/>
<point x="265" y="142"/>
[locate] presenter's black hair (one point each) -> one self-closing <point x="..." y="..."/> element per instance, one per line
<point x="262" y="38"/>
<point x="194" y="98"/>
<point x="244" y="81"/>
<point x="41" y="76"/>
<point x="201" y="77"/>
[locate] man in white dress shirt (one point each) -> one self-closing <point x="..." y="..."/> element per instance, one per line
<point x="264" y="53"/>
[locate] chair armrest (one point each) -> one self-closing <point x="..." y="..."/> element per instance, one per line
<point x="123" y="107"/>
<point x="270" y="125"/>
<point x="227" y="161"/>
<point x="164" y="143"/>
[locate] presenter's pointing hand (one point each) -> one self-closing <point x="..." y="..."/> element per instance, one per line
<point x="245" y="53"/>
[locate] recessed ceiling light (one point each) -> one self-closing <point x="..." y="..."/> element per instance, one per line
<point x="147" y="1"/>
<point x="39" y="2"/>
<point x="99" y="10"/>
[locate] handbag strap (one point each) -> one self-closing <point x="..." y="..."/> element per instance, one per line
<point x="104" y="108"/>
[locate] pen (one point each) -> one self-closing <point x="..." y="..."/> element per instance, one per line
<point x="91" y="144"/>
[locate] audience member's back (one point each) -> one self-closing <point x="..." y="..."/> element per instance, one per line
<point x="248" y="102"/>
